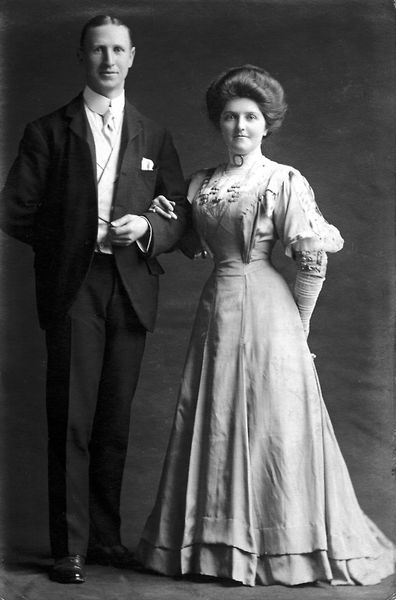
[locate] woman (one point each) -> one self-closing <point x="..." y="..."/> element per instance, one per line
<point x="254" y="487"/>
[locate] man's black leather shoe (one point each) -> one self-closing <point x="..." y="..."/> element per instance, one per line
<point x="115" y="556"/>
<point x="69" y="569"/>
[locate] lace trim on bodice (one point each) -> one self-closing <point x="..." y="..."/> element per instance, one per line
<point x="263" y="187"/>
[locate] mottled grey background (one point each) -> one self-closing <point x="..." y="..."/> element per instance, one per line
<point x="336" y="60"/>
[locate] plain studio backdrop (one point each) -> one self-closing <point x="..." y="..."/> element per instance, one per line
<point x="335" y="59"/>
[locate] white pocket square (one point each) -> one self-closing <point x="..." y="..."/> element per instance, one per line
<point x="147" y="164"/>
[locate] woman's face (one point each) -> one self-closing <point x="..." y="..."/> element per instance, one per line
<point x="242" y="125"/>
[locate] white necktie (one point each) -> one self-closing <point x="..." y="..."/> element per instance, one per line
<point x="108" y="126"/>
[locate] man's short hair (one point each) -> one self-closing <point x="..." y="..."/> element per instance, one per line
<point x="103" y="20"/>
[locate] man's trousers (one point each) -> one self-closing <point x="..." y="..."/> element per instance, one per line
<point x="94" y="358"/>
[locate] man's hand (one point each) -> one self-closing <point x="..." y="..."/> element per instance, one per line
<point x="126" y="230"/>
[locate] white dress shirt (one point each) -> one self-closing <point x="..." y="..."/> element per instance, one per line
<point x="107" y="155"/>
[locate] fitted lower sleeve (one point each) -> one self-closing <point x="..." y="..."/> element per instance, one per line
<point x="306" y="292"/>
<point x="311" y="271"/>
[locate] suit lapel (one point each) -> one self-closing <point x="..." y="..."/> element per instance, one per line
<point x="130" y="148"/>
<point x="77" y="118"/>
<point x="78" y="123"/>
<point x="133" y="121"/>
<point x="132" y="126"/>
<point x="128" y="184"/>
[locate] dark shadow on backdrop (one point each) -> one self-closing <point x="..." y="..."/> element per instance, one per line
<point x="335" y="59"/>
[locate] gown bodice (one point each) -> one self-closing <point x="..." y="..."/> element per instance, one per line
<point x="239" y="218"/>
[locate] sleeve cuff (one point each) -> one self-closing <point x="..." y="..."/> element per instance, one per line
<point x="145" y="242"/>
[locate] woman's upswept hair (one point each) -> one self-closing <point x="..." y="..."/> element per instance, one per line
<point x="247" y="81"/>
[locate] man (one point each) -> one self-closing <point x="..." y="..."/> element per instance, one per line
<point x="79" y="193"/>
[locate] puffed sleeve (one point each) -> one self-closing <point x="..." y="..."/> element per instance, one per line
<point x="297" y="216"/>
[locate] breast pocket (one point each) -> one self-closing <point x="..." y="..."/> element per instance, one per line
<point x="135" y="191"/>
<point x="148" y="176"/>
<point x="146" y="182"/>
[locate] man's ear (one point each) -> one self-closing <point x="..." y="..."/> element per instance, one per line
<point x="132" y="56"/>
<point x="80" y="55"/>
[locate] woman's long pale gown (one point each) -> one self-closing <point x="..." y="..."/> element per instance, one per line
<point x="254" y="486"/>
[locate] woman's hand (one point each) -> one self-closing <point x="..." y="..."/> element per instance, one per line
<point x="163" y="207"/>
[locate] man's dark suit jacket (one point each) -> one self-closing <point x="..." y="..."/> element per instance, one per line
<point x="50" y="202"/>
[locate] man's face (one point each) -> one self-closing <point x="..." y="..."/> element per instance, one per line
<point x="107" y="56"/>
